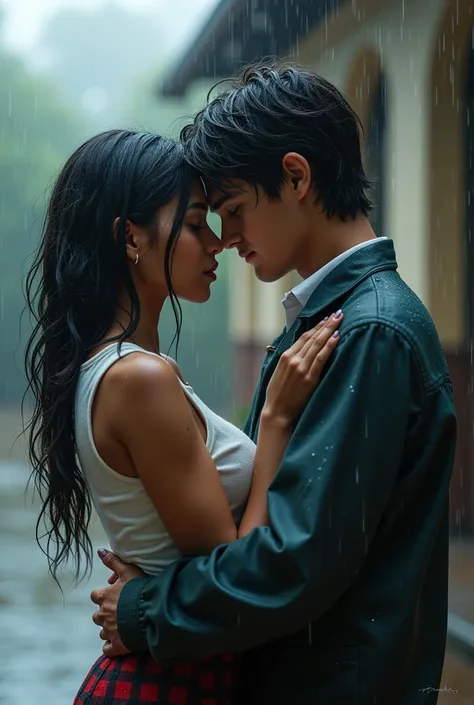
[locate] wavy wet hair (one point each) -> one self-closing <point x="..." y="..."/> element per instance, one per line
<point x="71" y="292"/>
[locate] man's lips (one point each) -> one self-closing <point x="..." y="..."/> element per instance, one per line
<point x="247" y="256"/>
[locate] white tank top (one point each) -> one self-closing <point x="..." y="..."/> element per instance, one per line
<point x="131" y="522"/>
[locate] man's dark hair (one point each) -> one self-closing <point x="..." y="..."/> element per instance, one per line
<point x="269" y="110"/>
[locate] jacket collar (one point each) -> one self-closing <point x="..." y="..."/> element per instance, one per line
<point x="339" y="282"/>
<point x="347" y="275"/>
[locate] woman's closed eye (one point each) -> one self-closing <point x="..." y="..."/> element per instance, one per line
<point x="195" y="227"/>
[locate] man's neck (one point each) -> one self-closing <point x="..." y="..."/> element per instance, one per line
<point x="332" y="238"/>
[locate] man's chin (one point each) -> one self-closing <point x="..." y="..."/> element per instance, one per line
<point x="266" y="275"/>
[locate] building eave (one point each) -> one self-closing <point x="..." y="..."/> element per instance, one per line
<point x="240" y="31"/>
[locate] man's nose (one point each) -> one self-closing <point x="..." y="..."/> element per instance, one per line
<point x="230" y="237"/>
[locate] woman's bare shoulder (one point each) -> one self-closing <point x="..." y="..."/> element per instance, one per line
<point x="174" y="365"/>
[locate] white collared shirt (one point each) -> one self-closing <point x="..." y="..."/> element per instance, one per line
<point x="296" y="299"/>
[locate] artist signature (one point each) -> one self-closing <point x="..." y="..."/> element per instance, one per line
<point x="438" y="690"/>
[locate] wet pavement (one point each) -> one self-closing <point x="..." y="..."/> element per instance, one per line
<point x="457" y="686"/>
<point x="461" y="579"/>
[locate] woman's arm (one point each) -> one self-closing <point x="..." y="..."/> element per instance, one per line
<point x="154" y="423"/>
<point x="305" y="358"/>
<point x="273" y="437"/>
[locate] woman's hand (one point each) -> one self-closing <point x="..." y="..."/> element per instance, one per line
<point x="299" y="370"/>
<point x="107" y="600"/>
<point x="294" y="380"/>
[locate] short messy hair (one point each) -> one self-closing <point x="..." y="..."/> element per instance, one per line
<point x="268" y="110"/>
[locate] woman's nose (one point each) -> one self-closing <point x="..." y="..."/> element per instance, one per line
<point x="215" y="245"/>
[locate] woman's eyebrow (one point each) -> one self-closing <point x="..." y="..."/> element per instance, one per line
<point x="198" y="205"/>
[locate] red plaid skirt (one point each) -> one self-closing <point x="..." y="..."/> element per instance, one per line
<point x="133" y="680"/>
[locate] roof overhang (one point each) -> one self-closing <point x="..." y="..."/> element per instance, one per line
<point x="240" y="31"/>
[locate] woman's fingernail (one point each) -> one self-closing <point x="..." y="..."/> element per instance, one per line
<point x="338" y="314"/>
<point x="335" y="334"/>
<point x="102" y="552"/>
<point x="326" y="319"/>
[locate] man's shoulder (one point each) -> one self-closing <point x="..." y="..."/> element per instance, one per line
<point x="385" y="296"/>
<point x="385" y="299"/>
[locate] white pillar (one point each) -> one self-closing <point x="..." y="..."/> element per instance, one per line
<point x="407" y="160"/>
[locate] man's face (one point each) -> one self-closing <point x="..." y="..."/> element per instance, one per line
<point x="267" y="234"/>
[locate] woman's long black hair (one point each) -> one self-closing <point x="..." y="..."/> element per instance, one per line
<point x="71" y="291"/>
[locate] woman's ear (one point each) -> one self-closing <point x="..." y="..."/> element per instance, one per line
<point x="297" y="172"/>
<point x="132" y="240"/>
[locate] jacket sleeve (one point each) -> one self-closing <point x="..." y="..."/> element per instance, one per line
<point x="325" y="505"/>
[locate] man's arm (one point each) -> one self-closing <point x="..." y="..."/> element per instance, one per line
<point x="325" y="505"/>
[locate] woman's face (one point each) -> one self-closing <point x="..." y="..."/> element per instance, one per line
<point x="193" y="262"/>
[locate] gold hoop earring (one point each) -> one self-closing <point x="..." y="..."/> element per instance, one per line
<point x="136" y="258"/>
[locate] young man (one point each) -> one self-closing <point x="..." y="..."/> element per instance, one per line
<point x="344" y="598"/>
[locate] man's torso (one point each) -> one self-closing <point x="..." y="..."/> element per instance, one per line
<point x="384" y="639"/>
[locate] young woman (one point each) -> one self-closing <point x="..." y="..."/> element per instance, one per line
<point x="114" y="424"/>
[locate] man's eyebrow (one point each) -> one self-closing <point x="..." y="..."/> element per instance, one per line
<point x="220" y="201"/>
<point x="199" y="205"/>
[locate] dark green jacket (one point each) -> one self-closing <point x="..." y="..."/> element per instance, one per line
<point x="349" y="587"/>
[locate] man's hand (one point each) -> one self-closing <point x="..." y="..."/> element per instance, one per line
<point x="107" y="599"/>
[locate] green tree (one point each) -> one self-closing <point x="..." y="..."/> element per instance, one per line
<point x="122" y="54"/>
<point x="102" y="51"/>
<point x="36" y="134"/>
